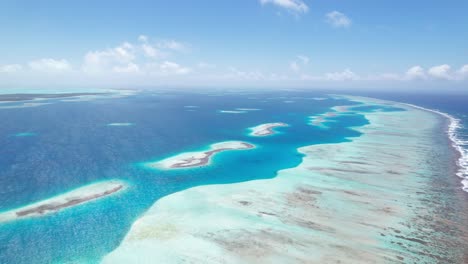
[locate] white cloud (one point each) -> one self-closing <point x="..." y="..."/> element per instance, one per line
<point x="10" y="68"/>
<point x="235" y="73"/>
<point x="385" y="77"/>
<point x="303" y="58"/>
<point x="150" y="51"/>
<point x="297" y="6"/>
<point x="161" y="44"/>
<point x="463" y="72"/>
<point x="297" y="64"/>
<point x="154" y="49"/>
<point x="172" y="45"/>
<point x="346" y="75"/>
<point x="168" y="68"/>
<point x="99" y="61"/>
<point x="440" y="72"/>
<point x="338" y="19"/>
<point x="129" y="68"/>
<point x="205" y="65"/>
<point x="143" y="38"/>
<point x="294" y="66"/>
<point x="50" y="65"/>
<point x="415" y="72"/>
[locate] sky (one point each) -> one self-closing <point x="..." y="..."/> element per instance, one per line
<point x="398" y="44"/>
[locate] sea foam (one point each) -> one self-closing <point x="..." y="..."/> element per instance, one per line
<point x="458" y="144"/>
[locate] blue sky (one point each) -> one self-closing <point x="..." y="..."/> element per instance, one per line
<point x="241" y="43"/>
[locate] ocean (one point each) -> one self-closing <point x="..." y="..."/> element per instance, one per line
<point x="61" y="145"/>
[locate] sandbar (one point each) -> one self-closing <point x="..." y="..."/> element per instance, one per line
<point x="60" y="202"/>
<point x="232" y="112"/>
<point x="120" y="124"/>
<point x="265" y="129"/>
<point x="198" y="158"/>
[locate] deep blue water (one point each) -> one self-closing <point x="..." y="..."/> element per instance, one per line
<point x="68" y="145"/>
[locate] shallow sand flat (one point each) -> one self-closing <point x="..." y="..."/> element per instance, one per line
<point x="265" y="129"/>
<point x="24" y="134"/>
<point x="60" y="202"/>
<point x="232" y="112"/>
<point x="373" y="200"/>
<point x="320" y="119"/>
<point x="23" y="105"/>
<point x="198" y="158"/>
<point x="248" y="109"/>
<point x="120" y="124"/>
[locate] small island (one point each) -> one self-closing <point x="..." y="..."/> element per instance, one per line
<point x="265" y="129"/>
<point x="72" y="198"/>
<point x="199" y="158"/>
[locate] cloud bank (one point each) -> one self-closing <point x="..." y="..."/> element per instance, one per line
<point x="297" y="6"/>
<point x="338" y="19"/>
<point x="148" y="61"/>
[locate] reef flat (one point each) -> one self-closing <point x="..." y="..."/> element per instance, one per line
<point x="199" y="158"/>
<point x="321" y="120"/>
<point x="60" y="202"/>
<point x="265" y="129"/>
<point x="375" y="199"/>
<point x="28" y="96"/>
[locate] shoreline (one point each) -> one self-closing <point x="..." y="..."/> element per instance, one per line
<point x="365" y="191"/>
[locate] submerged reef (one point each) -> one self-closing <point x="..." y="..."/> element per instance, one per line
<point x="377" y="199"/>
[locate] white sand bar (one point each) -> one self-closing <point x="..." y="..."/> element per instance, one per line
<point x="265" y="129"/>
<point x="198" y="158"/>
<point x="232" y="112"/>
<point x="60" y="202"/>
<point x="120" y="124"/>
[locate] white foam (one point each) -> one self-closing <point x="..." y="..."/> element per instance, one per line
<point x="458" y="144"/>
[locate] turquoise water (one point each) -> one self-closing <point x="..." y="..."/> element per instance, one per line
<point x="73" y="146"/>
